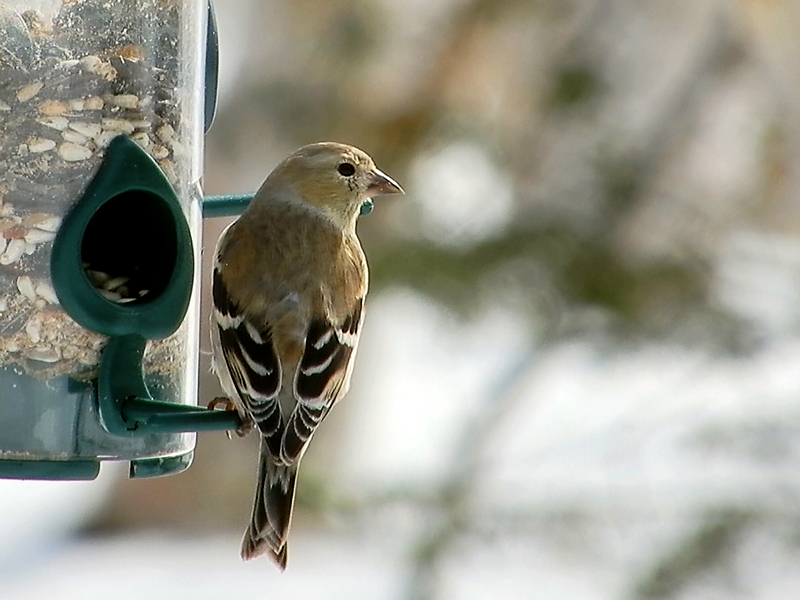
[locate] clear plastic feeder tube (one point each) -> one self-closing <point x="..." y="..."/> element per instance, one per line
<point x="74" y="74"/>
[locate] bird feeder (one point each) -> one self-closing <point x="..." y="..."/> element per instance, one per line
<point x="103" y="106"/>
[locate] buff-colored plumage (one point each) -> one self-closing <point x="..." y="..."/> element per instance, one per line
<point x="288" y="287"/>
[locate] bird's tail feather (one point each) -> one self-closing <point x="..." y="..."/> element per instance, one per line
<point x="272" y="510"/>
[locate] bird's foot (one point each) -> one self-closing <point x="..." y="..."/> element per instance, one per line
<point x="223" y="403"/>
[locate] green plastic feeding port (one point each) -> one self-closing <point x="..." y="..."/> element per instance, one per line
<point x="128" y="226"/>
<point x="100" y="227"/>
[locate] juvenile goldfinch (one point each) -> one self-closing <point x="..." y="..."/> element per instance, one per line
<point x="288" y="287"/>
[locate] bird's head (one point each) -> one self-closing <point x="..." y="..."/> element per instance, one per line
<point x="336" y="178"/>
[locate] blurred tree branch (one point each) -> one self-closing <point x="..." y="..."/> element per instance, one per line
<point x="453" y="494"/>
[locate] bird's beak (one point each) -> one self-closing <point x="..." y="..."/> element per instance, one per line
<point x="381" y="183"/>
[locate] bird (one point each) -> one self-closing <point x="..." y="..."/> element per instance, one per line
<point x="289" y="281"/>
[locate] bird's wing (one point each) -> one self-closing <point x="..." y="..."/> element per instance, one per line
<point x="322" y="377"/>
<point x="251" y="367"/>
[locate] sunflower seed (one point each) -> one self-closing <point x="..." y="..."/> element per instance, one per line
<point x="159" y="152"/>
<point x="13" y="252"/>
<point x="72" y="152"/>
<point x="113" y="284"/>
<point x="103" y="139"/>
<point x="165" y="133"/>
<point x="53" y="108"/>
<point x="46" y="354"/>
<point x="37" y="236"/>
<point x="141" y="138"/>
<point x="93" y="103"/>
<point x="34" y="331"/>
<point x="37" y="145"/>
<point x="70" y="135"/>
<point x="120" y="125"/>
<point x="58" y="123"/>
<point x="16" y="232"/>
<point x="169" y="170"/>
<point x="40" y="220"/>
<point x="26" y="92"/>
<point x="25" y="287"/>
<point x="124" y="101"/>
<point x="88" y="129"/>
<point x="97" y="278"/>
<point x="109" y="295"/>
<point x="46" y="291"/>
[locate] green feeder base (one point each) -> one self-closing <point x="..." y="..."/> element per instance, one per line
<point x="52" y="470"/>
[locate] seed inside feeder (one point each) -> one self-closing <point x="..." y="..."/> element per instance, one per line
<point x="124" y="265"/>
<point x="99" y="71"/>
<point x="116" y="289"/>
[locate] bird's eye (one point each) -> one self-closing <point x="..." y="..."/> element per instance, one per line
<point x="346" y="169"/>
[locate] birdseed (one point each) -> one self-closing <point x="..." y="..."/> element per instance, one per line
<point x="79" y="76"/>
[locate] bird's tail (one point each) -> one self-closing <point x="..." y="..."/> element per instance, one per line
<point x="272" y="510"/>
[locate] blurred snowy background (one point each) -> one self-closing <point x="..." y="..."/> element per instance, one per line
<point x="580" y="372"/>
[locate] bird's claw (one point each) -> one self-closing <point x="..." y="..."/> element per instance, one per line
<point x="224" y="403"/>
